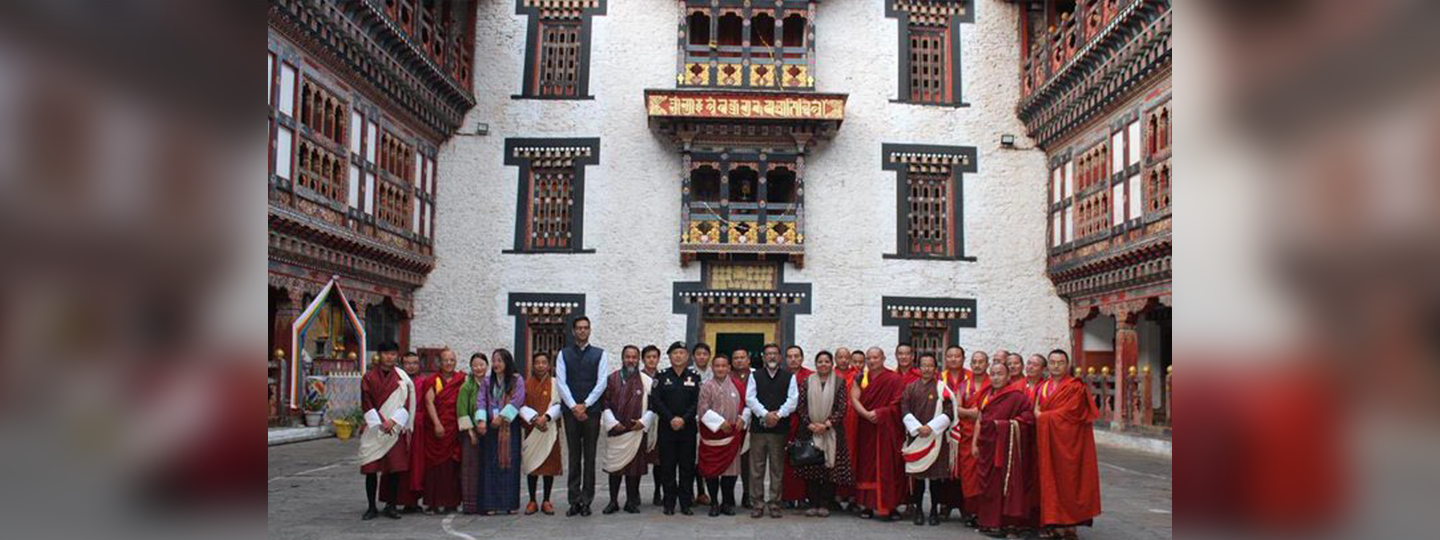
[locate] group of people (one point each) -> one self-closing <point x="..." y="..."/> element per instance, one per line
<point x="1006" y="441"/>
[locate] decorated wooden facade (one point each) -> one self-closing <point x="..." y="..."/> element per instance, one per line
<point x="1095" y="95"/>
<point x="361" y="95"/>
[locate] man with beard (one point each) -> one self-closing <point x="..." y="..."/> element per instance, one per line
<point x="387" y="396"/>
<point x="625" y="420"/>
<point x="771" y="396"/>
<point x="580" y="371"/>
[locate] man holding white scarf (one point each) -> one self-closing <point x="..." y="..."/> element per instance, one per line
<point x="926" y="452"/>
<point x="387" y="395"/>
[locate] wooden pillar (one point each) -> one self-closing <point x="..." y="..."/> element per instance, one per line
<point x="1077" y="344"/>
<point x="1127" y="353"/>
<point x="285" y="314"/>
<point x="1147" y="398"/>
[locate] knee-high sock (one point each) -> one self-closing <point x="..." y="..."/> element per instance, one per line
<point x="918" y="487"/>
<point x="549" y="483"/>
<point x="530" y="483"/>
<point x="714" y="485"/>
<point x="394" y="488"/>
<point x="632" y="490"/>
<point x="615" y="488"/>
<point x="727" y="488"/>
<point x="372" y="482"/>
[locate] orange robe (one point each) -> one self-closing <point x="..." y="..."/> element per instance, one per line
<point x="1065" y="438"/>
<point x="973" y="392"/>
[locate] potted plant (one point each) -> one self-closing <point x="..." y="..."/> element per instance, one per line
<point x="315" y="409"/>
<point x="346" y="424"/>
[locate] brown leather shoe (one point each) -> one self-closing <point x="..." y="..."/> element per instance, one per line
<point x="531" y="508"/>
<point x="547" y="508"/>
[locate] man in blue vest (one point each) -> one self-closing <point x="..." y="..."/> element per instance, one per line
<point x="771" y="396"/>
<point x="581" y="370"/>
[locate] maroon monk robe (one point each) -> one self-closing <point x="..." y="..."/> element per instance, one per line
<point x="792" y="486"/>
<point x="442" y="454"/>
<point x="412" y="481"/>
<point x="1004" y="468"/>
<point x="880" y="481"/>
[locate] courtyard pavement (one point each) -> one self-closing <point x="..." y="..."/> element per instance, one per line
<point x="316" y="492"/>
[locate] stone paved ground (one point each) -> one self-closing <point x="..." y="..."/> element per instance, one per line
<point x="316" y="492"/>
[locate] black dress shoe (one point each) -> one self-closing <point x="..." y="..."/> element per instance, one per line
<point x="631" y="508"/>
<point x="727" y="510"/>
<point x="714" y="510"/>
<point x="669" y="511"/>
<point x="610" y="508"/>
<point x="687" y="511"/>
<point x="867" y="514"/>
<point x="370" y="514"/>
<point x="585" y="510"/>
<point x="390" y="512"/>
<point x="919" y="517"/>
<point x="934" y="517"/>
<point x="572" y="510"/>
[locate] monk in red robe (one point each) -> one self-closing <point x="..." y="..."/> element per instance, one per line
<point x="409" y="486"/>
<point x="848" y="365"/>
<point x="972" y="392"/>
<point x="387" y="396"/>
<point x="792" y="486"/>
<point x="1069" y="477"/>
<point x="1034" y="375"/>
<point x="880" y="481"/>
<point x="1003" y="450"/>
<point x="442" y="437"/>
<point x="905" y="363"/>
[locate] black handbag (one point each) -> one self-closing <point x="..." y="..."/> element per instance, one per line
<point x="803" y="453"/>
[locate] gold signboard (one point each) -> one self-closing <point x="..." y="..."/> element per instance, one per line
<point x="787" y="107"/>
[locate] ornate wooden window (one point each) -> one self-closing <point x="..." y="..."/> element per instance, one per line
<point x="322" y="112"/>
<point x="322" y="172"/>
<point x="929" y="49"/>
<point x="557" y="51"/>
<point x="551" y="201"/>
<point x="551" y="197"/>
<point x="542" y="323"/>
<point x="742" y="44"/>
<point x="929" y="199"/>
<point x="929" y="336"/>
<point x="928" y="324"/>
<point x="929" y="202"/>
